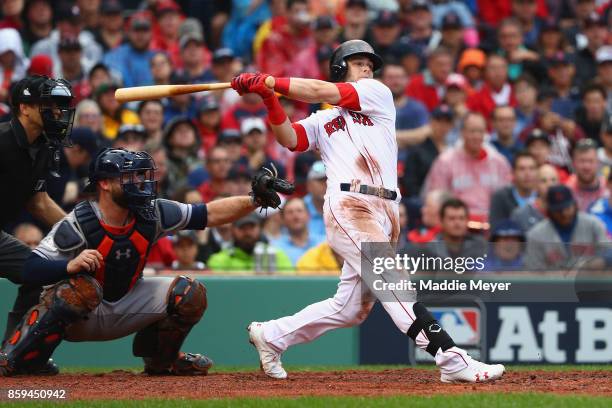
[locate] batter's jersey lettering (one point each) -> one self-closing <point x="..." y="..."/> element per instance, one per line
<point x="356" y="138"/>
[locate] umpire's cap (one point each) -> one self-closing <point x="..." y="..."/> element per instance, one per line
<point x="27" y="90"/>
<point x="337" y="64"/>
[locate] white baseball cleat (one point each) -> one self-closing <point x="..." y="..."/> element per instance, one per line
<point x="269" y="359"/>
<point x="475" y="372"/>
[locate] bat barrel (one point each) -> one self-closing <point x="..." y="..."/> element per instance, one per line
<point x="146" y="93"/>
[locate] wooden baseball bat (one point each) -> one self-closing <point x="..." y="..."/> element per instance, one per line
<point x="145" y="93"/>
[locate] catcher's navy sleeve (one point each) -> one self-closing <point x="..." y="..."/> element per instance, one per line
<point x="40" y="271"/>
<point x="199" y="217"/>
<point x="175" y="216"/>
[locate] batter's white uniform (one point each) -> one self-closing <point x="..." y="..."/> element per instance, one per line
<point x="357" y="144"/>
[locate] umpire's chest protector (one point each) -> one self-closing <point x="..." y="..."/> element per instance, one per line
<point x="124" y="249"/>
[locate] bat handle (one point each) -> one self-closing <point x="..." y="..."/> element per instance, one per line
<point x="270" y="82"/>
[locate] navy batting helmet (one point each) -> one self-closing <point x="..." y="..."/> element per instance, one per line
<point x="337" y="63"/>
<point x="136" y="173"/>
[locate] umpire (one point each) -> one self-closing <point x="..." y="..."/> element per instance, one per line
<point x="40" y="125"/>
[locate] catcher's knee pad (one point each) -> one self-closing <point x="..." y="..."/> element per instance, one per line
<point x="160" y="342"/>
<point x="43" y="327"/>
<point x="187" y="300"/>
<point x="438" y="337"/>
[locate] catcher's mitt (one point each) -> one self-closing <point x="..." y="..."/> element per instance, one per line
<point x="266" y="185"/>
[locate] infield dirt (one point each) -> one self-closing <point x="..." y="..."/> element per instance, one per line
<point x="128" y="385"/>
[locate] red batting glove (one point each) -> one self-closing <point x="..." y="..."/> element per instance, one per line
<point x="252" y="83"/>
<point x="257" y="85"/>
<point x="239" y="83"/>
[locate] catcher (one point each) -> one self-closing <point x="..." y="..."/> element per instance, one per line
<point x="92" y="262"/>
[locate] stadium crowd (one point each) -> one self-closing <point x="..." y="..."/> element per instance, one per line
<point x="504" y="116"/>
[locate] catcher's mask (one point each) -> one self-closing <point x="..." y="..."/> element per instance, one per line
<point x="136" y="174"/>
<point x="54" y="98"/>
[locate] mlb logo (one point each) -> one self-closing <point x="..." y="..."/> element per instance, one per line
<point x="462" y="323"/>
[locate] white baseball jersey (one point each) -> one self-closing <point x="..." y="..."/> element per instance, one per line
<point x="356" y="138"/>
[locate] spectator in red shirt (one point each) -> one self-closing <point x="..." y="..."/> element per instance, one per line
<point x="496" y="91"/>
<point x="430" y="218"/>
<point x="471" y="172"/>
<point x="586" y="184"/>
<point x="429" y="87"/>
<point x="278" y="50"/>
<point x="11" y="12"/>
<point x="208" y="120"/>
<point x="166" y="37"/>
<point x="306" y="64"/>
<point x="218" y="165"/>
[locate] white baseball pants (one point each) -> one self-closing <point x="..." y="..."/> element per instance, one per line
<point x="352" y="218"/>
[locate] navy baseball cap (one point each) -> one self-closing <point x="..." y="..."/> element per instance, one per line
<point x="419" y="5"/>
<point x="559" y="58"/>
<point x="505" y="229"/>
<point x="443" y="112"/>
<point x="207" y="103"/>
<point x="324" y="22"/>
<point x="69" y="44"/>
<point x="132" y="130"/>
<point x="451" y="21"/>
<point x="535" y="135"/>
<point x="356" y="3"/>
<point x="252" y="218"/>
<point x="230" y="136"/>
<point x="559" y="197"/>
<point x="87" y="139"/>
<point x="111" y="7"/>
<point x="223" y="54"/>
<point x="386" y="18"/>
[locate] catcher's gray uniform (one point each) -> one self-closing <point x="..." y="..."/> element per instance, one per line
<point x="145" y="299"/>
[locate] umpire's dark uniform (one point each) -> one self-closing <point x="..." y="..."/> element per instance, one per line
<point x="24" y="169"/>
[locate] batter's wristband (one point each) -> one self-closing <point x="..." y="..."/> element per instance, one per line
<point x="281" y="85"/>
<point x="276" y="113"/>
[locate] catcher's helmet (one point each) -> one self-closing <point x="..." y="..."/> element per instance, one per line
<point x="54" y="97"/>
<point x="136" y="173"/>
<point x="337" y="63"/>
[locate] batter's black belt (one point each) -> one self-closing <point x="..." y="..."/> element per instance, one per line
<point x="371" y="190"/>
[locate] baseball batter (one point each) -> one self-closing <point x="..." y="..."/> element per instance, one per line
<point x="357" y="143"/>
<point x="92" y="262"/>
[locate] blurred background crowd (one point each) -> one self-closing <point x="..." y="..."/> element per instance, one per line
<point x="533" y="166"/>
